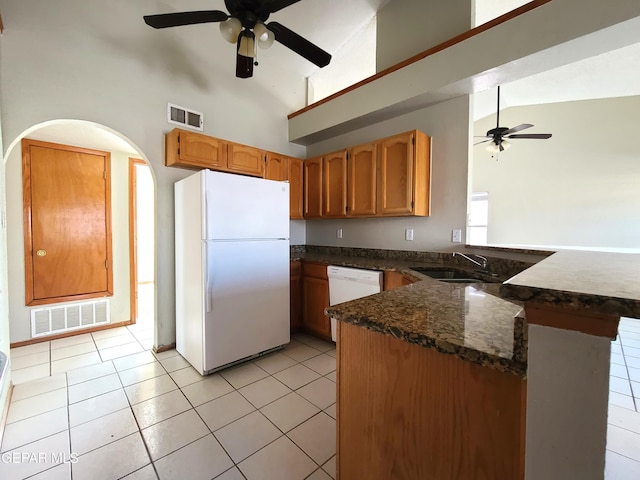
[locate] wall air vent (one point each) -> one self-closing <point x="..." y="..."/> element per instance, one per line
<point x="185" y="117"/>
<point x="64" y="318"/>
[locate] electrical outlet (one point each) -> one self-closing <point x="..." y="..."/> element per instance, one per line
<point x="456" y="236"/>
<point x="408" y="234"/>
<point x="339" y="233"/>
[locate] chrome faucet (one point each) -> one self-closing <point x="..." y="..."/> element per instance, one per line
<point x="482" y="263"/>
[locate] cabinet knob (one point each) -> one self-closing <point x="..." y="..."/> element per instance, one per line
<point x="41" y="253"/>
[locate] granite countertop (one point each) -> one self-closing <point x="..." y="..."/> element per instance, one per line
<point x="468" y="321"/>
<point x="597" y="282"/>
<point x="483" y="323"/>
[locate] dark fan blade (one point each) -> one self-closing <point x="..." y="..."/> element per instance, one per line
<point x="484" y="141"/>
<point x="300" y="45"/>
<point x="539" y="136"/>
<point x="165" y="20"/>
<point x="518" y="128"/>
<point x="275" y="5"/>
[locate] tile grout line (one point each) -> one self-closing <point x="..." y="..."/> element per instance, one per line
<point x="626" y="367"/>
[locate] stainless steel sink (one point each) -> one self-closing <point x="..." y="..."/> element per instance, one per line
<point x="451" y="275"/>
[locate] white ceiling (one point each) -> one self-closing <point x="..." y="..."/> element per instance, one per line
<point x="610" y="75"/>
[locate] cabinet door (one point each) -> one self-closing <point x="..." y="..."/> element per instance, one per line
<point x="395" y="280"/>
<point x="275" y="167"/>
<point x="295" y="296"/>
<point x="395" y="182"/>
<point x="315" y="300"/>
<point x="313" y="188"/>
<point x="361" y="162"/>
<point x="295" y="175"/>
<point x="199" y="150"/>
<point x="334" y="195"/>
<point x="246" y="160"/>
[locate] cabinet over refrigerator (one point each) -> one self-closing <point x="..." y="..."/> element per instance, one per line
<point x="232" y="268"/>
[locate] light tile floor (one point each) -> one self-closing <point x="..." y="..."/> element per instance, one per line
<point x="113" y="409"/>
<point x="104" y="396"/>
<point x="623" y="433"/>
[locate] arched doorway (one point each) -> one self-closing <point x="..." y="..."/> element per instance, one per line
<point x="88" y="135"/>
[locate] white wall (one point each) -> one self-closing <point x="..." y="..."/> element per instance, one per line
<point x="98" y="61"/>
<point x="120" y="301"/>
<point x="4" y="279"/>
<point x="355" y="61"/>
<point x="449" y="126"/>
<point x="408" y="27"/>
<point x="579" y="188"/>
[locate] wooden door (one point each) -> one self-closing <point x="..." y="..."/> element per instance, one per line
<point x="313" y="187"/>
<point x="276" y="167"/>
<point x="395" y="181"/>
<point x="362" y="166"/>
<point x="202" y="151"/>
<point x="334" y="169"/>
<point x="246" y="160"/>
<point x="295" y="296"/>
<point x="295" y="176"/>
<point x="67" y="222"/>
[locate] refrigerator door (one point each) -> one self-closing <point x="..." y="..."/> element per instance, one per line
<point x="247" y="299"/>
<point x="239" y="207"/>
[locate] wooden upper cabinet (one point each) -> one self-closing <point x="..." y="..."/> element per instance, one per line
<point x="276" y="167"/>
<point x="404" y="175"/>
<point x="334" y="171"/>
<point x="295" y="176"/>
<point x="361" y="168"/>
<point x="194" y="150"/>
<point x="246" y="160"/>
<point x="313" y="187"/>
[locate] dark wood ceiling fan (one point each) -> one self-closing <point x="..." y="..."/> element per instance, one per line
<point x="497" y="136"/>
<point x="245" y="26"/>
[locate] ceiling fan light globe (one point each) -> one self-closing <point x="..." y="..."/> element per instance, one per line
<point x="264" y="36"/>
<point x="493" y="147"/>
<point x="505" y="145"/>
<point x="246" y="45"/>
<point x="230" y="29"/>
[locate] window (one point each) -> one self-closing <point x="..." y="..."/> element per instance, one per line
<point x="478" y="218"/>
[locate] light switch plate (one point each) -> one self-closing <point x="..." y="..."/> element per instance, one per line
<point x="339" y="233"/>
<point x="456" y="236"/>
<point x="408" y="234"/>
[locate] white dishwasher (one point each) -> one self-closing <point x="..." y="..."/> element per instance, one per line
<point x="350" y="283"/>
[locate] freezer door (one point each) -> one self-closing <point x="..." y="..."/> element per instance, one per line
<point x="247" y="299"/>
<point x="241" y="207"/>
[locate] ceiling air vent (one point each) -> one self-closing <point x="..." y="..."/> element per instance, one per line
<point x="184" y="117"/>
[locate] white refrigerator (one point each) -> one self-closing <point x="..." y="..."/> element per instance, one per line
<point x="232" y="268"/>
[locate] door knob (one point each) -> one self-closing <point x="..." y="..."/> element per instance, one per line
<point x="41" y="253"/>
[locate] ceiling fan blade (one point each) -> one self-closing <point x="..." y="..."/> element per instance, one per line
<point x="165" y="20"/>
<point x="539" y="136"/>
<point x="275" y="5"/>
<point x="484" y="141"/>
<point x="517" y="128"/>
<point x="300" y="45"/>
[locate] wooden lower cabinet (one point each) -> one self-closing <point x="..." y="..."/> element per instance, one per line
<point x="295" y="284"/>
<point x="412" y="413"/>
<point x="394" y="279"/>
<point x="315" y="298"/>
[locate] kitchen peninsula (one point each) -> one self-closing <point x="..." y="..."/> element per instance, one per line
<point x="447" y="382"/>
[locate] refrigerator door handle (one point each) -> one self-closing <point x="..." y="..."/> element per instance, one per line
<point x="208" y="290"/>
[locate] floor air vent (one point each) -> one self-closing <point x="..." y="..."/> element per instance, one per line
<point x="185" y="117"/>
<point x="64" y="318"/>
